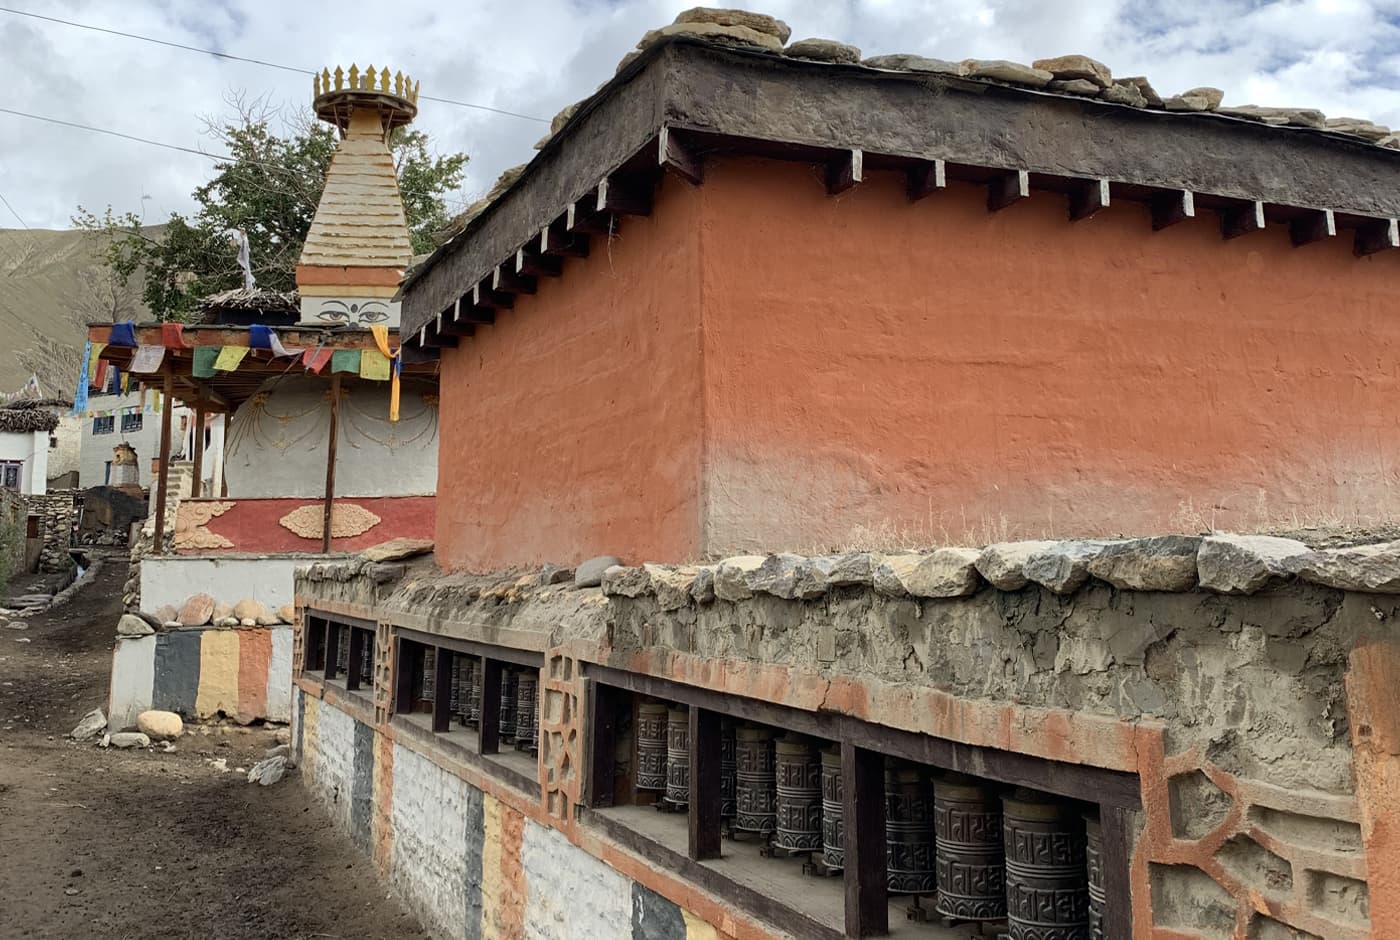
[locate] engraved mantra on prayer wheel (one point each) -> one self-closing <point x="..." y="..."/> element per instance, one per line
<point x="526" y="699"/>
<point x="678" y="756"/>
<point x="971" y="861"/>
<point x="909" y="837"/>
<point x="1047" y="887"/>
<point x="755" y="793"/>
<point x="833" y="828"/>
<point x="799" y="792"/>
<point x="728" y="767"/>
<point x="651" y="746"/>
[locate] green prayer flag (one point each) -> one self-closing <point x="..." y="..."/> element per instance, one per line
<point x="204" y="357"/>
<point x="346" y="360"/>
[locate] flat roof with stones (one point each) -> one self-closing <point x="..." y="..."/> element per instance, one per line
<point x="685" y="97"/>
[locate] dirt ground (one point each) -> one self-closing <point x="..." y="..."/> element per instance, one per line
<point x="145" y="844"/>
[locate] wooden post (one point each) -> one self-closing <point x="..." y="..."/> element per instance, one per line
<point x="197" y="487"/>
<point x="705" y="774"/>
<point x="442" y="690"/>
<point x="220" y="478"/>
<point x="330" y="465"/>
<point x="489" y="731"/>
<point x="600" y="770"/>
<point x="332" y="649"/>
<point x="163" y="475"/>
<point x="357" y="657"/>
<point x="863" y="810"/>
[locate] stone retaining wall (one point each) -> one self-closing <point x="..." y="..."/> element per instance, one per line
<point x="55" y="512"/>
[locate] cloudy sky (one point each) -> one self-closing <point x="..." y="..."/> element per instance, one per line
<point x="535" y="56"/>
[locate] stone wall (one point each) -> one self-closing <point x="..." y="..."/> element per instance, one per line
<point x="1255" y="722"/>
<point x="470" y="862"/>
<point x="55" y="512"/>
<point x="12" y="516"/>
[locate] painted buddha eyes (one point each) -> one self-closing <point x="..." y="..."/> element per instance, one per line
<point x="341" y="311"/>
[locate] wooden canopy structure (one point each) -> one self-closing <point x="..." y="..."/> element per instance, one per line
<point x="225" y="391"/>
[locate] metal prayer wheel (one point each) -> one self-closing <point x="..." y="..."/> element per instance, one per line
<point x="755" y="781"/>
<point x="678" y="755"/>
<point x="727" y="768"/>
<point x="799" y="791"/>
<point x="506" y="728"/>
<point x="474" y="670"/>
<point x="367" y="665"/>
<point x="342" y="652"/>
<point x="526" y="699"/>
<point x="1047" y="886"/>
<point x="970" y="859"/>
<point x="651" y="746"/>
<point x="454" y="700"/>
<point x="833" y="827"/>
<point x="1093" y="861"/>
<point x="909" y="834"/>
<point x="425" y="694"/>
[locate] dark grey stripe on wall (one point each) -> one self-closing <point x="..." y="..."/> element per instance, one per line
<point x="475" y="810"/>
<point x="362" y="786"/>
<point x="177" y="671"/>
<point x="655" y="917"/>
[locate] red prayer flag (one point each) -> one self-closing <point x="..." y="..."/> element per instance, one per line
<point x="315" y="359"/>
<point x="172" y="336"/>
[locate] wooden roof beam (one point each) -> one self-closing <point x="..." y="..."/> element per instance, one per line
<point x="506" y="281"/>
<point x="618" y="195"/>
<point x="1242" y="219"/>
<point x="448" y="323"/>
<point x="557" y="241"/>
<point x="845" y="171"/>
<point x="583" y="218"/>
<point x="927" y="177"/>
<point x="1376" y="236"/>
<point x="1313" y="226"/>
<point x="1086" y="197"/>
<point x="1007" y="189"/>
<point x="489" y="298"/>
<point x="532" y="261"/>
<point x="675" y="154"/>
<point x="1171" y="207"/>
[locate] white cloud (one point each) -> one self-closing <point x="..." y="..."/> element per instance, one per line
<point x="535" y="56"/>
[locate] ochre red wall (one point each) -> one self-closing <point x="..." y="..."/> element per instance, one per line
<point x="572" y="427"/>
<point x="880" y="370"/>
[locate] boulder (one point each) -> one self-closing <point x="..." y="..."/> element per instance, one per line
<point x="1003" y="564"/>
<point x="131" y="625"/>
<point x="159" y="725"/>
<point x="1373" y="568"/>
<point x="622" y="581"/>
<point x="1243" y="564"/>
<point x="891" y="574"/>
<point x="590" y="573"/>
<point x="555" y="574"/>
<point x="1297" y="117"/>
<point x="1186" y="103"/>
<point x="1075" y="86"/>
<point x="702" y="591"/>
<point x="1212" y="96"/>
<point x="222" y="611"/>
<point x="671" y="585"/>
<point x="89" y="726"/>
<point x="557" y="124"/>
<point x="268" y="771"/>
<point x="715" y="32"/>
<point x="758" y="22"/>
<point x="944" y="572"/>
<point x="287" y="613"/>
<point x="1162" y="563"/>
<point x="196" y="610"/>
<point x="1357" y="127"/>
<point x="1119" y="93"/>
<point x="129" y="739"/>
<point x="397" y="550"/>
<point x="1144" y="88"/>
<point x="732" y="577"/>
<point x="249" y="609"/>
<point x="851" y="568"/>
<point x="167" y="613"/>
<point x="823" y="50"/>
<point x="1001" y="70"/>
<point x="228" y="622"/>
<point x="1076" y="68"/>
<point x="903" y="62"/>
<point x="152" y="619"/>
<point x="247" y="622"/>
<point x="789" y="576"/>
<point x="1064" y="566"/>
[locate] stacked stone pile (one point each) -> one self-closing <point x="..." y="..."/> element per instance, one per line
<point x="200" y="610"/>
<point x="1224" y="564"/>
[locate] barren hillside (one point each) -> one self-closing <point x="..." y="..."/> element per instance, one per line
<point x="50" y="284"/>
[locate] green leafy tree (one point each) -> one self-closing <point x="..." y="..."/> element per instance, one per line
<point x="269" y="189"/>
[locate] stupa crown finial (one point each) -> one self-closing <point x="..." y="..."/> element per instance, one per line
<point x="341" y="92"/>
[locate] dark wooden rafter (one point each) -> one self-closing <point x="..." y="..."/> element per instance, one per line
<point x="491" y="299"/>
<point x="583" y="218"/>
<point x="675" y="154"/>
<point x="1377" y="235"/>
<point x="845" y="170"/>
<point x="1170" y="207"/>
<point x="450" y="323"/>
<point x="532" y="262"/>
<point x="1313" y="226"/>
<point x="926" y="177"/>
<point x="557" y="241"/>
<point x="705" y="784"/>
<point x="1087" y="197"/>
<point x="625" y="195"/>
<point x="1007" y="189"/>
<point x="1242" y="219"/>
<point x="504" y="280"/>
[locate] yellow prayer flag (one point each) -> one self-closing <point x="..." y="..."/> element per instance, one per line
<point x="380" y="332"/>
<point x="93" y="355"/>
<point x="230" y="357"/>
<point x="374" y="365"/>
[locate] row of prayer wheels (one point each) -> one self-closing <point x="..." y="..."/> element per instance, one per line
<point x="1024" y="857"/>
<point x="518" y="705"/>
<point x="342" y="658"/>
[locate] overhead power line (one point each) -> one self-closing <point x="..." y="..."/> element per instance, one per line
<point x="12" y="211"/>
<point x="251" y="61"/>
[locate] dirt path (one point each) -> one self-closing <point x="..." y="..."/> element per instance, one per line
<point x="146" y="844"/>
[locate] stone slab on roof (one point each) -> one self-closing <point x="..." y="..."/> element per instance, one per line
<point x="749" y="95"/>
